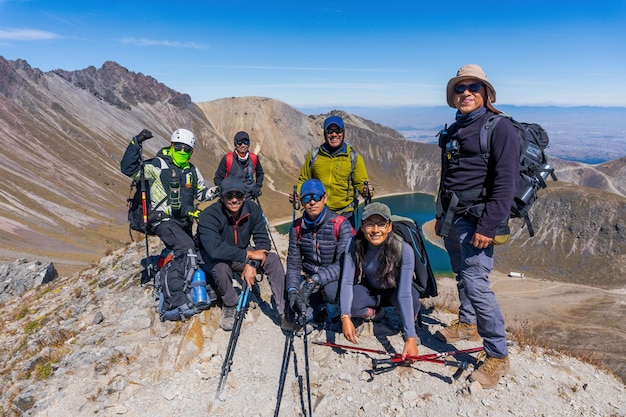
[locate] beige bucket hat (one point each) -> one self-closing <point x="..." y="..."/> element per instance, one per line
<point x="472" y="71"/>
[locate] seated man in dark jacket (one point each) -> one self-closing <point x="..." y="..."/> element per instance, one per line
<point x="225" y="230"/>
<point x="316" y="242"/>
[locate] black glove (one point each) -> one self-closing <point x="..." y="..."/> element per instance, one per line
<point x="256" y="192"/>
<point x="308" y="288"/>
<point x="143" y="135"/>
<point x="294" y="299"/>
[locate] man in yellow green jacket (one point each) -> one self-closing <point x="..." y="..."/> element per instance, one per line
<point x="337" y="165"/>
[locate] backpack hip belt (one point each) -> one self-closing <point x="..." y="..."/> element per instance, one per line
<point x="448" y="202"/>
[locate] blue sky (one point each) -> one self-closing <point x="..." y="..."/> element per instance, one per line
<point x="341" y="53"/>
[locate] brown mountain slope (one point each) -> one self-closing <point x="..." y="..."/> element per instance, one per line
<point x="580" y="238"/>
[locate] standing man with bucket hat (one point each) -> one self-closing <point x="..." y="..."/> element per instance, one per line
<point x="475" y="196"/>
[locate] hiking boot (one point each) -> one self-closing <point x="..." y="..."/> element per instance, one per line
<point x="457" y="330"/>
<point x="228" y="318"/>
<point x="489" y="372"/>
<point x="286" y="323"/>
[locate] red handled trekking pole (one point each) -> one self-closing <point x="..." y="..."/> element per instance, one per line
<point x="397" y="357"/>
<point x="144" y="207"/>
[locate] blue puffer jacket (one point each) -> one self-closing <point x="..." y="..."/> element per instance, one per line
<point x="317" y="251"/>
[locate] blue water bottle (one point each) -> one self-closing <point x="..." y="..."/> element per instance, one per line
<point x="198" y="288"/>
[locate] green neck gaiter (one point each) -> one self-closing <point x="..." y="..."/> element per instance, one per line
<point x="181" y="159"/>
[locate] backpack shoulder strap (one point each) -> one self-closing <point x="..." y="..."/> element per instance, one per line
<point x="298" y="225"/>
<point x="314" y="153"/>
<point x="337" y="224"/>
<point x="254" y="159"/>
<point x="229" y="163"/>
<point x="486" y="133"/>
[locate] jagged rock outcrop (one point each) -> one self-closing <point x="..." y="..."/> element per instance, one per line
<point x="20" y="276"/>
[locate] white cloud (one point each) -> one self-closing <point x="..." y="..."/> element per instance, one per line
<point x="153" y="42"/>
<point x="26" y="34"/>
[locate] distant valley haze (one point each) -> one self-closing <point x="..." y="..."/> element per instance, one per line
<point x="587" y="134"/>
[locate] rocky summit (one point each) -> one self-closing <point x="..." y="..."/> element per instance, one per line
<point x="92" y="344"/>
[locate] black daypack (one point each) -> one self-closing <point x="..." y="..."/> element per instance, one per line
<point x="533" y="164"/>
<point x="136" y="219"/>
<point x="423" y="277"/>
<point x="177" y="285"/>
<point x="533" y="171"/>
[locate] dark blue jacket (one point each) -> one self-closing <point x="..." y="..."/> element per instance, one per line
<point x="317" y="251"/>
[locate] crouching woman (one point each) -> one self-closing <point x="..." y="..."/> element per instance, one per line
<point x="378" y="272"/>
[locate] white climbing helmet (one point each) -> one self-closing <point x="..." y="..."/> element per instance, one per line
<point x="184" y="136"/>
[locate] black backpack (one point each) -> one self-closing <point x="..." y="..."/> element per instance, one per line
<point x="423" y="277"/>
<point x="136" y="219"/>
<point x="533" y="164"/>
<point x="533" y="170"/>
<point x="174" y="288"/>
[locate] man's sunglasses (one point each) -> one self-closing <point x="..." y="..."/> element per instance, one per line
<point x="243" y="142"/>
<point x="474" y="88"/>
<point x="306" y="199"/>
<point x="234" y="194"/>
<point x="334" y="130"/>
<point x="181" y="147"/>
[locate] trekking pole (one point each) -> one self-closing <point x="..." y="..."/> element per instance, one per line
<point x="144" y="207"/>
<point x="295" y="203"/>
<point x="397" y="357"/>
<point x="368" y="193"/>
<point x="303" y="309"/>
<point x="289" y="349"/>
<point x="242" y="308"/>
<point x="267" y="225"/>
<point x="395" y="360"/>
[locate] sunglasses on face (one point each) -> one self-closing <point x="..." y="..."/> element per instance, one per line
<point x="181" y="147"/>
<point x="311" y="197"/>
<point x="234" y="194"/>
<point x="474" y="88"/>
<point x="369" y="225"/>
<point x="242" y="142"/>
<point x="334" y="130"/>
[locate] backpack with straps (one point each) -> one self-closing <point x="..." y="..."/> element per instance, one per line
<point x="533" y="163"/>
<point x="136" y="219"/>
<point x="181" y="289"/>
<point x="410" y="232"/>
<point x="229" y="161"/>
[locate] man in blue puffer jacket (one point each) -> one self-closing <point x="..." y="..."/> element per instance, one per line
<point x="316" y="242"/>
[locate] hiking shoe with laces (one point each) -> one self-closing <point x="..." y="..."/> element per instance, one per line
<point x="228" y="318"/>
<point x="457" y="330"/>
<point x="489" y="372"/>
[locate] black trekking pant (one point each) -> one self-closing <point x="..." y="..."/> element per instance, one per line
<point x="222" y="275"/>
<point x="174" y="236"/>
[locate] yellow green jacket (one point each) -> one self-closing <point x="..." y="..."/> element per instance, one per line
<point x="334" y="172"/>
